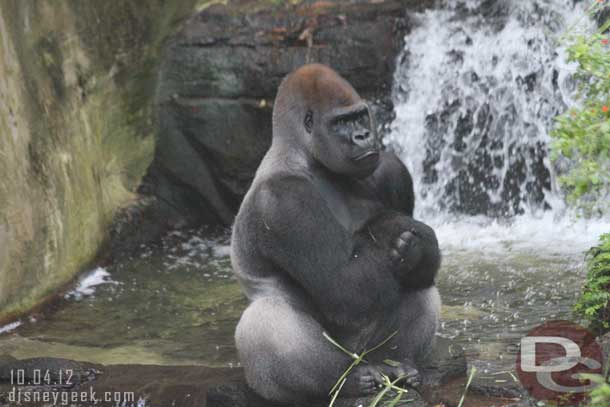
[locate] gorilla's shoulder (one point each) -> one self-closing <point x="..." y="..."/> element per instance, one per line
<point x="282" y="201"/>
<point x="282" y="188"/>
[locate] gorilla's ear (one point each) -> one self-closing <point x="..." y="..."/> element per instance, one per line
<point x="308" y="122"/>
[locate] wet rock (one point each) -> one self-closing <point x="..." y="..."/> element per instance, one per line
<point x="446" y="361"/>
<point x="235" y="395"/>
<point x="503" y="385"/>
<point x="602" y="16"/>
<point x="219" y="78"/>
<point x="240" y="395"/>
<point x="184" y="386"/>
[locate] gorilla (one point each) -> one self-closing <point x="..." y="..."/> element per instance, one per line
<point x="325" y="241"/>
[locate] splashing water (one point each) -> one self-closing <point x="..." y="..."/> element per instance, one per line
<point x="89" y="282"/>
<point x="477" y="88"/>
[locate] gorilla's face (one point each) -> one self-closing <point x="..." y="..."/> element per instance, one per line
<point x="345" y="140"/>
<point x="330" y="121"/>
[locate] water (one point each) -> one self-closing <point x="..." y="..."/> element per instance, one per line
<point x="178" y="303"/>
<point x="498" y="281"/>
<point x="476" y="90"/>
<point x="172" y="304"/>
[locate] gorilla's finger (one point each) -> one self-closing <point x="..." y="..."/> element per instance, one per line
<point x="403" y="242"/>
<point x="409" y="248"/>
<point x="372" y="389"/>
<point x="413" y="377"/>
<point x="412" y="380"/>
<point x="407" y="236"/>
<point x="394" y="253"/>
<point x="367" y="379"/>
<point x="367" y="384"/>
<point x="399" y="372"/>
<point x="377" y="376"/>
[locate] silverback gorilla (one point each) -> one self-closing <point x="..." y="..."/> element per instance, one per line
<point x="325" y="241"/>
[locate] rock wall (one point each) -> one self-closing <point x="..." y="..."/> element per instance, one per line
<point x="77" y="80"/>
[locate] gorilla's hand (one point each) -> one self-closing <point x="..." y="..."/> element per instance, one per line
<point x="411" y="246"/>
<point x="407" y="250"/>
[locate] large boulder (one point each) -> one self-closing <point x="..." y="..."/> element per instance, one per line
<point x="219" y="77"/>
<point x="77" y="83"/>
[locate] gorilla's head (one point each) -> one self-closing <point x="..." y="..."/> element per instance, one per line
<point x="321" y="112"/>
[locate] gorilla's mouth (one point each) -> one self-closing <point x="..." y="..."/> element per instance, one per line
<point x="367" y="154"/>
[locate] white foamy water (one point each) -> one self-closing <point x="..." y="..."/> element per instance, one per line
<point x="10" y="327"/>
<point x="197" y="252"/>
<point x="89" y="282"/>
<point x="476" y="92"/>
<point x="543" y="236"/>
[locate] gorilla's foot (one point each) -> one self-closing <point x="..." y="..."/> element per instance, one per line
<point x="409" y="375"/>
<point x="368" y="379"/>
<point x="362" y="381"/>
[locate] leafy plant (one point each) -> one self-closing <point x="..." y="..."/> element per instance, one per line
<point x="594" y="303"/>
<point x="582" y="134"/>
<point x="600" y="396"/>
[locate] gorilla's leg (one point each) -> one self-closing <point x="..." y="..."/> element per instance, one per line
<point x="284" y="354"/>
<point x="417" y="322"/>
<point x="419" y="315"/>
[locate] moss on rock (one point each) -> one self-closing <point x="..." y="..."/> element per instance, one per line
<point x="77" y="81"/>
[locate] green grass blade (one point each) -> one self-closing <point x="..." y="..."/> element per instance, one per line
<point x="388" y="386"/>
<point x="396" y="399"/>
<point x="343" y="376"/>
<point x="472" y="373"/>
<point x="332" y="401"/>
<point x="352" y="355"/>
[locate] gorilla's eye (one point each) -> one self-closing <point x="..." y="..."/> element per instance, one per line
<point x="350" y="121"/>
<point x="342" y="123"/>
<point x="308" y="122"/>
<point x="363" y="120"/>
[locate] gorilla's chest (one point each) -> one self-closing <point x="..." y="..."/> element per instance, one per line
<point x="352" y="204"/>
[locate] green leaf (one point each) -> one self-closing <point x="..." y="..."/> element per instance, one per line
<point x="391" y="363"/>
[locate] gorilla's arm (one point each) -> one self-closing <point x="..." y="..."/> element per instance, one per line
<point x="393" y="184"/>
<point x="413" y="246"/>
<point x="347" y="275"/>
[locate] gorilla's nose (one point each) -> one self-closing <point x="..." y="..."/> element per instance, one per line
<point x="362" y="138"/>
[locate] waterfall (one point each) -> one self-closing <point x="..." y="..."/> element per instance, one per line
<point x="476" y="90"/>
